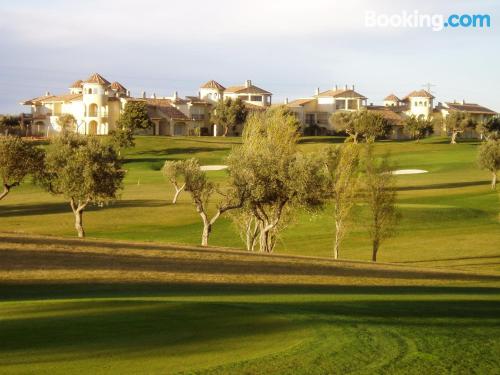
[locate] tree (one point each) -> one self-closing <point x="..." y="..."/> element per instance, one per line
<point x="84" y="170"/>
<point x="173" y="170"/>
<point x="418" y="127"/>
<point x="18" y="159"/>
<point x="229" y="112"/>
<point x="489" y="159"/>
<point x="343" y="121"/>
<point x="9" y="124"/>
<point x="343" y="165"/>
<point x="201" y="190"/>
<point x="365" y="124"/>
<point x="380" y="195"/>
<point x="67" y="122"/>
<point x="122" y="138"/>
<point x="458" y="122"/>
<point x="489" y="128"/>
<point x="277" y="177"/>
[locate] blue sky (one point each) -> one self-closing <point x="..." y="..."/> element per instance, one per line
<point x="285" y="46"/>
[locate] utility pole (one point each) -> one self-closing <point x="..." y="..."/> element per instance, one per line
<point x="428" y="87"/>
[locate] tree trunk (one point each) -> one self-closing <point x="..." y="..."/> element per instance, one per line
<point x="207" y="228"/>
<point x="226" y="129"/>
<point x="177" y="193"/>
<point x="78" y="212"/>
<point x="6" y="189"/>
<point x="375" y="250"/>
<point x="493" y="181"/>
<point x="79" y="223"/>
<point x="336" y="244"/>
<point x="454" y="137"/>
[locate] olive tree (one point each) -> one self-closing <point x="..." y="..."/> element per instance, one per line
<point x="361" y="124"/>
<point x="458" y="122"/>
<point x="277" y="177"/>
<point x="489" y="128"/>
<point x="173" y="170"/>
<point x="343" y="164"/>
<point x="18" y="159"/>
<point x="229" y="112"/>
<point x="202" y="190"/>
<point x="134" y="117"/>
<point x="489" y="159"/>
<point x="380" y="196"/>
<point x="418" y="127"/>
<point x="84" y="170"/>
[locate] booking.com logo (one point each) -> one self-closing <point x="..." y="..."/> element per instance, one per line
<point x="436" y="22"/>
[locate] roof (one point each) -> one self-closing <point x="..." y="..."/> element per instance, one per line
<point x="118" y="86"/>
<point x="54" y="99"/>
<point x="77" y="84"/>
<point x="392" y="97"/>
<point x="341" y="93"/>
<point x="470" y="108"/>
<point x="196" y="100"/>
<point x="212" y="85"/>
<point x="391" y="116"/>
<point x="299" y="102"/>
<point x="38" y="99"/>
<point x="97" y="78"/>
<point x="419" y="94"/>
<point x="243" y="89"/>
<point x="162" y="108"/>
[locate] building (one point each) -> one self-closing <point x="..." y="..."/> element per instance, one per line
<point x="314" y="112"/>
<point x="96" y="104"/>
<point x="477" y="112"/>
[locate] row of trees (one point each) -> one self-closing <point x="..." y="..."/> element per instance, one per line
<point x="270" y="179"/>
<point x="368" y="126"/>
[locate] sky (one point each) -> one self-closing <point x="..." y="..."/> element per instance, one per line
<point x="287" y="47"/>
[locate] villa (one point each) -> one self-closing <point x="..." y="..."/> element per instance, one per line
<point x="96" y="104"/>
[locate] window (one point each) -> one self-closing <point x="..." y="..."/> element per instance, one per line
<point x="256" y="98"/>
<point x="340" y="104"/>
<point x="243" y="97"/>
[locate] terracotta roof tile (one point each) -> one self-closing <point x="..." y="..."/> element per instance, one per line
<point x="118" y="86"/>
<point x="341" y="93"/>
<point x="392" y="97"/>
<point x="212" y="85"/>
<point x="97" y="78"/>
<point x="252" y="89"/>
<point x="299" y="102"/>
<point x="77" y="84"/>
<point x="470" y="108"/>
<point x="419" y="94"/>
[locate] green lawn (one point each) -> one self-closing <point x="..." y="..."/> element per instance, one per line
<point x="449" y="214"/>
<point x="101" y="307"/>
<point x="80" y="307"/>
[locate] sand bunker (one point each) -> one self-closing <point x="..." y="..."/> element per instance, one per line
<point x="213" y="167"/>
<point x="409" y="171"/>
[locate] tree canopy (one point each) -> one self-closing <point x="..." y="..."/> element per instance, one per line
<point x="457" y="122"/>
<point x="418" y="127"/>
<point x="229" y="112"/>
<point x="83" y="170"/>
<point x="489" y="159"/>
<point x="18" y="159"/>
<point x="360" y="124"/>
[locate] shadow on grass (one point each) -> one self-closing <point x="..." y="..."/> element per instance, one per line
<point x="63" y="207"/>
<point x="62" y="290"/>
<point x="317" y="140"/>
<point x="447" y="185"/>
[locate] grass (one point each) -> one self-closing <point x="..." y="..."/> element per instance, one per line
<point x="74" y="307"/>
<point x="448" y="214"/>
<point x="138" y="296"/>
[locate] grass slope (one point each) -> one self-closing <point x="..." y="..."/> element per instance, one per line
<point x="79" y="307"/>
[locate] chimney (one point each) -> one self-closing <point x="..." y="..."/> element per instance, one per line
<point x="316" y="92"/>
<point x="153" y="96"/>
<point x="176" y="95"/>
<point x="286" y="100"/>
<point x="47" y="93"/>
<point x="128" y="93"/>
<point x="345" y="87"/>
<point x="463" y="101"/>
<point x="352" y="87"/>
<point x="248" y="83"/>
<point x="144" y="94"/>
<point x="336" y="87"/>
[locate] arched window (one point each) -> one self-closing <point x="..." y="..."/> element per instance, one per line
<point x="93" y="110"/>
